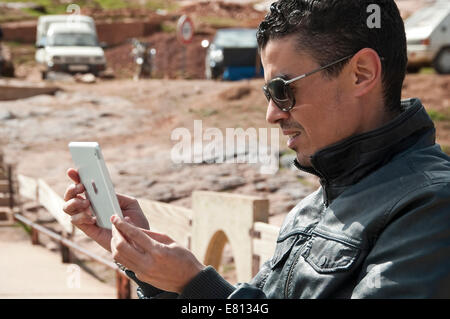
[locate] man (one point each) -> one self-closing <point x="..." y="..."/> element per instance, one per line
<point x="379" y="225"/>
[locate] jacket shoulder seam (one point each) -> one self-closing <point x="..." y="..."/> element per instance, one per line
<point x="419" y="187"/>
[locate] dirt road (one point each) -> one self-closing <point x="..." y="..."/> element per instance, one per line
<point x="28" y="271"/>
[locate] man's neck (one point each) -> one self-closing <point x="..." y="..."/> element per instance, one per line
<point x="376" y="116"/>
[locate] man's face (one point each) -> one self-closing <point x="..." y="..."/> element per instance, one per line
<point x="325" y="111"/>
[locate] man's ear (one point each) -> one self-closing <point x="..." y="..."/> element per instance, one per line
<point x="366" y="71"/>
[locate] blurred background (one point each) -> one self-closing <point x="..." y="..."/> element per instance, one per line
<point x="126" y="74"/>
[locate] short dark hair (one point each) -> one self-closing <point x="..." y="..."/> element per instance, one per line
<point x="331" y="29"/>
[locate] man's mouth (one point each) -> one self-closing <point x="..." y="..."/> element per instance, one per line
<point x="292" y="138"/>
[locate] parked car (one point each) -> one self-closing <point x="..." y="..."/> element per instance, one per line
<point x="428" y="38"/>
<point x="70" y="46"/>
<point x="45" y="21"/>
<point x="233" y="55"/>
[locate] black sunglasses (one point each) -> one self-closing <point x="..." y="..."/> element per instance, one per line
<point x="281" y="94"/>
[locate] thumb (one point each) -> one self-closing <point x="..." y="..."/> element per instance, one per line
<point x="133" y="233"/>
<point x="129" y="221"/>
<point x="130" y="241"/>
<point x="161" y="238"/>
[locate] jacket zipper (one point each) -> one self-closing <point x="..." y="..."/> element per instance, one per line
<point x="323" y="182"/>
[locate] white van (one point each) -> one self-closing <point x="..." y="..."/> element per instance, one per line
<point x="69" y="46"/>
<point x="44" y="23"/>
<point x="428" y="38"/>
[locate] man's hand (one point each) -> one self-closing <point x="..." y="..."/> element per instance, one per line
<point x="79" y="208"/>
<point x="154" y="258"/>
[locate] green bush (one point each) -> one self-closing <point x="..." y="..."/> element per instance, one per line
<point x="437" y="116"/>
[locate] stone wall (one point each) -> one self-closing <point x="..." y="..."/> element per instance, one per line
<point x="112" y="33"/>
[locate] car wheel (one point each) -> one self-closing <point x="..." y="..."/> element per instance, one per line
<point x="7" y="70"/>
<point x="216" y="74"/>
<point x="441" y="62"/>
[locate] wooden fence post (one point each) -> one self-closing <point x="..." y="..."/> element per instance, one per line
<point x="34" y="236"/>
<point x="66" y="256"/>
<point x="123" y="286"/>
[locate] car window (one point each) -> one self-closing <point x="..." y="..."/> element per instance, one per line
<point x="72" y="39"/>
<point x="429" y="17"/>
<point x="236" y="38"/>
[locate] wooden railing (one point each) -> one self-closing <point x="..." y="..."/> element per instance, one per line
<point x="214" y="220"/>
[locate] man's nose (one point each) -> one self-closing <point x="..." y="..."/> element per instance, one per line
<point x="274" y="114"/>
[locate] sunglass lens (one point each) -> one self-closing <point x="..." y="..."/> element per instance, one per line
<point x="280" y="93"/>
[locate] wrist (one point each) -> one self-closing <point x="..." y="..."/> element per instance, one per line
<point x="195" y="270"/>
<point x="207" y="284"/>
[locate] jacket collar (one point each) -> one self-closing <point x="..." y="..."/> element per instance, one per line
<point x="345" y="163"/>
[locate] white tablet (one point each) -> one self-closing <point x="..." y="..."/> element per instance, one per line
<point x="94" y="175"/>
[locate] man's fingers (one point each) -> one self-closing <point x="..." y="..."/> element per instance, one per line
<point x="132" y="233"/>
<point x="76" y="205"/>
<point x="116" y="235"/>
<point x="121" y="248"/>
<point x="82" y="218"/>
<point x="124" y="200"/>
<point x="162" y="238"/>
<point x="73" y="175"/>
<point x="131" y="242"/>
<point x="73" y="190"/>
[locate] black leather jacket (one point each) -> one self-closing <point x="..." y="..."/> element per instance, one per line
<point x="378" y="227"/>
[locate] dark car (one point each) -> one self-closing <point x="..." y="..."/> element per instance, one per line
<point x="233" y="55"/>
